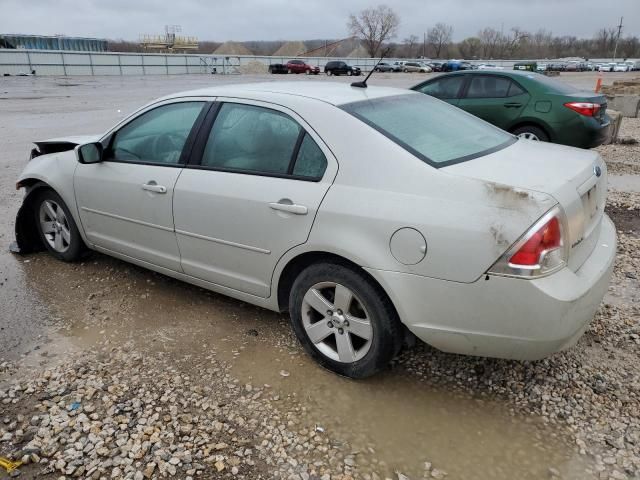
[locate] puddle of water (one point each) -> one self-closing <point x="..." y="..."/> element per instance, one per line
<point x="402" y="419"/>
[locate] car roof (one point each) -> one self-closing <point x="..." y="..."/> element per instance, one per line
<point x="335" y="93"/>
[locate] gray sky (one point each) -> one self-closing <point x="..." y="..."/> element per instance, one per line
<point x="305" y="19"/>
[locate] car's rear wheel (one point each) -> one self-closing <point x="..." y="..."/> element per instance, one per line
<point x="343" y="320"/>
<point x="57" y="229"/>
<point x="329" y="73"/>
<point x="531" y="132"/>
<point x="289" y="71"/>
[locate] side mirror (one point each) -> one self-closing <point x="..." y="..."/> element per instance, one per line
<point x="90" y="152"/>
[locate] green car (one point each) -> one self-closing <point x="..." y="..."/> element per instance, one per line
<point x="527" y="104"/>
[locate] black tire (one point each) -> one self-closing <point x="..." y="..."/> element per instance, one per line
<point x="531" y="129"/>
<point x="76" y="247"/>
<point x="329" y="73"/>
<point x="387" y="334"/>
<point x="349" y="73"/>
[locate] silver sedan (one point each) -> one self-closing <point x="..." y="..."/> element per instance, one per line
<point x="369" y="214"/>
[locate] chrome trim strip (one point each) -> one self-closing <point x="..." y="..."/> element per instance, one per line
<point x="225" y="242"/>
<point x="126" y="219"/>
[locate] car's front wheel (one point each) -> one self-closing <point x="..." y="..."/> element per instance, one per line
<point x="531" y="132"/>
<point x="349" y="73"/>
<point x="344" y="320"/>
<point x="56" y="227"/>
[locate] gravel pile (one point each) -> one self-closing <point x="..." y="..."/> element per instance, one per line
<point x="121" y="413"/>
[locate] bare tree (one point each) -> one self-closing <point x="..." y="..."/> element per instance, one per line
<point x="439" y="37"/>
<point x="410" y="44"/>
<point x="374" y="26"/>
<point x="470" y="47"/>
<point x="510" y="43"/>
<point x="490" y="39"/>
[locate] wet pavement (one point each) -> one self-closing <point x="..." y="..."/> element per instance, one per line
<point x="49" y="308"/>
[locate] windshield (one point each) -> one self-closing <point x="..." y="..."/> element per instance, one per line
<point x="432" y="130"/>
<point x="555" y="86"/>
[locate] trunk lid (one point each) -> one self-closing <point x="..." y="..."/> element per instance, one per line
<point x="568" y="174"/>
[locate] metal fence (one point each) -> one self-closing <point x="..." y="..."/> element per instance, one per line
<point x="64" y="62"/>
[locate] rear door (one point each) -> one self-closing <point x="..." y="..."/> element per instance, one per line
<point x="256" y="181"/>
<point x="447" y="88"/>
<point x="125" y="201"/>
<point x="494" y="98"/>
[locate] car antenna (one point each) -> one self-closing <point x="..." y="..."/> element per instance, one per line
<point x="363" y="84"/>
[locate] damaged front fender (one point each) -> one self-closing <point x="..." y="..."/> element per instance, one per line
<point x="27" y="238"/>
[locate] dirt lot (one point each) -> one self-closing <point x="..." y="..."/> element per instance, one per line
<point x="111" y="371"/>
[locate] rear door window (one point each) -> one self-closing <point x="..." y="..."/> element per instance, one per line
<point x="445" y="88"/>
<point x="259" y="140"/>
<point x="488" y="86"/>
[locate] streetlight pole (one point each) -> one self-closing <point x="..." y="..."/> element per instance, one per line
<point x="615" y="49"/>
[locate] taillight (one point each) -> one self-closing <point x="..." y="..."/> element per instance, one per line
<point x="542" y="250"/>
<point x="587" y="109"/>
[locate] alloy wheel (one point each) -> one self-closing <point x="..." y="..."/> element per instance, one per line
<point x="55" y="226"/>
<point x="336" y="322"/>
<point x="528" y="136"/>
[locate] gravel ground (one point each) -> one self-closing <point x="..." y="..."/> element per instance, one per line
<point x="142" y="403"/>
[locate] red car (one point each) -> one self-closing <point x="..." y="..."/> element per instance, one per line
<point x="298" y="66"/>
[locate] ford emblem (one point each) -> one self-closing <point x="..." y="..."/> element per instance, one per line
<point x="597" y="170"/>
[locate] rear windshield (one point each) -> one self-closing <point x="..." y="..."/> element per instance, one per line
<point x="432" y="130"/>
<point x="552" y="85"/>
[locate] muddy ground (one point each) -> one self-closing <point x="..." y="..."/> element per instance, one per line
<point x="108" y="370"/>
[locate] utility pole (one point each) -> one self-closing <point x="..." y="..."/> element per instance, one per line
<point x="424" y="45"/>
<point x="615" y="49"/>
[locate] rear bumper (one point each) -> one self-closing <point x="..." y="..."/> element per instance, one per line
<point x="505" y="317"/>
<point x="582" y="132"/>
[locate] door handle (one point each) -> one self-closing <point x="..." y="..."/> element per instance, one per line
<point x="289" y="207"/>
<point x="512" y="105"/>
<point x="154" y="187"/>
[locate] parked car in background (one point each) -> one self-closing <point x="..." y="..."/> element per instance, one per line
<point x="398" y="66"/>
<point x="278" y="68"/>
<point x="436" y="66"/>
<point x="383" y="67"/>
<point x="237" y="189"/>
<point x="541" y="67"/>
<point x="526" y="104"/>
<point x="293" y="66"/>
<point x="489" y="66"/>
<point x="526" y="66"/>
<point x="633" y="65"/>
<point x="416" y="67"/>
<point x="338" y="67"/>
<point x="557" y="67"/>
<point x="455" y="65"/>
<point x="621" y="67"/>
<point x="607" y="67"/>
<point x="299" y="66"/>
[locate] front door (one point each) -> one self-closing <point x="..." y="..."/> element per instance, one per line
<point x="125" y="201"/>
<point x="253" y="195"/>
